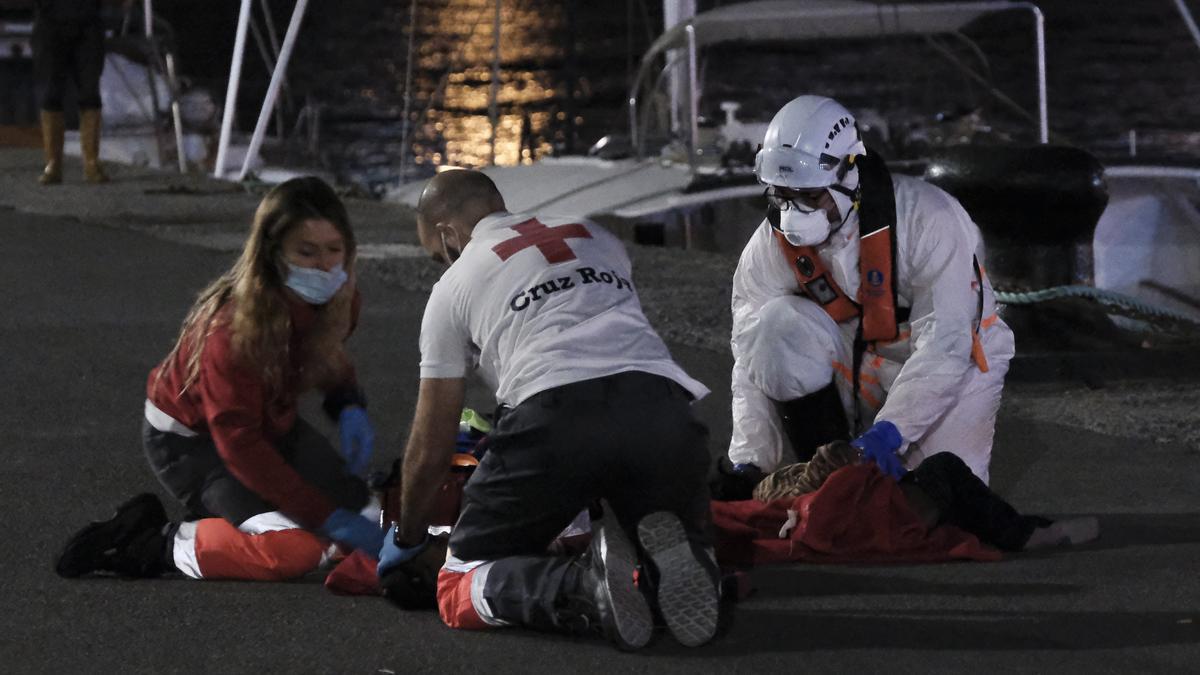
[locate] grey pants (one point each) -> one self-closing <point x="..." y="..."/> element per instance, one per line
<point x="629" y="438"/>
<point x="192" y="471"/>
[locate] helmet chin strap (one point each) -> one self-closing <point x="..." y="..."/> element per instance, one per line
<point x="847" y="198"/>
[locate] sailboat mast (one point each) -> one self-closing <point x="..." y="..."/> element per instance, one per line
<point x="494" y="91"/>
<point x="676" y="12"/>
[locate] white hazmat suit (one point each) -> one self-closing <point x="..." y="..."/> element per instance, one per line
<point x="786" y="346"/>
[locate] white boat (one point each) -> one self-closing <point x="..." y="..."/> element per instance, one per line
<point x="625" y="180"/>
<point x="1146" y="243"/>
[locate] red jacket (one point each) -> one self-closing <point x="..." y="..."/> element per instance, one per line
<point x="229" y="402"/>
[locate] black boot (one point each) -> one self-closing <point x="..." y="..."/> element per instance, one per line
<point x="133" y="543"/>
<point x="598" y="593"/>
<point x="686" y="579"/>
<point x="814" y="420"/>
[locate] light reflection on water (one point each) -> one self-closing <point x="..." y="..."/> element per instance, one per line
<point x="356" y="67"/>
<point x="461" y="119"/>
<point x="355" y="64"/>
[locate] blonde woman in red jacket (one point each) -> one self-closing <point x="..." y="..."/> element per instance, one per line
<point x="265" y="493"/>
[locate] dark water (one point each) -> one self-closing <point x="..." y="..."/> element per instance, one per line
<point x="564" y="74"/>
<point x="566" y="67"/>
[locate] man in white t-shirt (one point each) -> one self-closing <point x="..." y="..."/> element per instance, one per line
<point x="544" y="310"/>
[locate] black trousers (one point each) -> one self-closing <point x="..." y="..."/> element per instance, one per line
<point x="962" y="500"/>
<point x="68" y="51"/>
<point x="192" y="471"/>
<point x="629" y="438"/>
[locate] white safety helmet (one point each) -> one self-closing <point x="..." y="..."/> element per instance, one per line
<point x="808" y="146"/>
<point x="807" y="143"/>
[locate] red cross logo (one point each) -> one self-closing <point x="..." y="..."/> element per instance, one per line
<point x="551" y="241"/>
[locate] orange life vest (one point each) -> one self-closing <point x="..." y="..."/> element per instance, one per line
<point x="877" y="306"/>
<point x="876" y="299"/>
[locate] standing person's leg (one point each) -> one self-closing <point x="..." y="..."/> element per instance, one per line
<point x="50" y="68"/>
<point x="88" y="66"/>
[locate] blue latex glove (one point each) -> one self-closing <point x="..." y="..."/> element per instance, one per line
<point x="391" y="555"/>
<point x="353" y="529"/>
<point x="879" y="444"/>
<point x="747" y="468"/>
<point x="358" y="438"/>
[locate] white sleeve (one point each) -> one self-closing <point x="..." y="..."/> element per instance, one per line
<point x="757" y="438"/>
<point x="941" y="249"/>
<point x="762" y="274"/>
<point x="445" y="339"/>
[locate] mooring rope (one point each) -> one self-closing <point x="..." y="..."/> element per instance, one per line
<point x="1116" y="303"/>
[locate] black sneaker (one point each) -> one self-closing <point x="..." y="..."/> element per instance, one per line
<point x="605" y="596"/>
<point x="130" y="543"/>
<point x="687" y="591"/>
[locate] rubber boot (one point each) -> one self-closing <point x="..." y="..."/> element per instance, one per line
<point x="814" y="420"/>
<point x="89" y="145"/>
<point x="52" y="144"/>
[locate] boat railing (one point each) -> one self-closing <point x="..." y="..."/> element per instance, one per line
<point x="939" y="17"/>
<point x="16" y="39"/>
<point x="157" y="38"/>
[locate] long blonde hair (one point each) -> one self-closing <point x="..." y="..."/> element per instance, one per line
<point x="261" y="324"/>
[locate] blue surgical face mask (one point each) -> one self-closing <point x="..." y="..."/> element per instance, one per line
<point x="314" y="285"/>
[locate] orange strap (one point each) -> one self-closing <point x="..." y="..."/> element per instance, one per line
<point x="977" y="354"/>
<point x="875" y="290"/>
<point x="816" y="281"/>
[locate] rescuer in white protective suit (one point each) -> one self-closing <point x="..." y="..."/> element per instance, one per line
<point x="861" y="310"/>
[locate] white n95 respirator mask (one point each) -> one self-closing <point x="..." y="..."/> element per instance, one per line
<point x="801" y="228"/>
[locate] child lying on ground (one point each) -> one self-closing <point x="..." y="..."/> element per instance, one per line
<point x="941" y="490"/>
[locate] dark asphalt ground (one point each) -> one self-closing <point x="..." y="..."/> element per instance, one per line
<point x="90" y="305"/>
